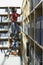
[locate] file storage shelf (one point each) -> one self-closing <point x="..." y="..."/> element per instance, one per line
<point x="5" y="25"/>
<point x="35" y="17"/>
<point x="4" y="28"/>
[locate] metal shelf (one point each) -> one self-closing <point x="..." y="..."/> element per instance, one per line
<point x="32" y="17"/>
<point x="4" y="23"/>
<point x="4" y="38"/>
<point x="3" y="30"/>
<point x="9" y="48"/>
<point x="3" y="48"/>
<point x="33" y="41"/>
<point x="3" y="14"/>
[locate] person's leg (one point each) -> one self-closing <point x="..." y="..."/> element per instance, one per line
<point x="14" y="27"/>
<point x="12" y="30"/>
<point x="11" y="27"/>
<point x="15" y="30"/>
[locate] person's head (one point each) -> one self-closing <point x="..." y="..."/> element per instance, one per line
<point x="13" y="10"/>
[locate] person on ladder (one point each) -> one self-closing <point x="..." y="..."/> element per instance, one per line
<point x="14" y="27"/>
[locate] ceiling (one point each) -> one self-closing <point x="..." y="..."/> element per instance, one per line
<point x="11" y="3"/>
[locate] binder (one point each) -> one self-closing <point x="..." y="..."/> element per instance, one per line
<point x="36" y="2"/>
<point x="32" y="29"/>
<point x="31" y="2"/>
<point x="32" y="55"/>
<point x="40" y="30"/>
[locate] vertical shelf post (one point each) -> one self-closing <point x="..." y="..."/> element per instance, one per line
<point x="8" y="28"/>
<point x="34" y="37"/>
<point x="42" y="45"/>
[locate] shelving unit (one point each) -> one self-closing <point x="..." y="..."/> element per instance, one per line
<point x="36" y="10"/>
<point x="7" y="30"/>
<point x="7" y="39"/>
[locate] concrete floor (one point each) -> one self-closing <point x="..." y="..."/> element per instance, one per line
<point x="11" y="60"/>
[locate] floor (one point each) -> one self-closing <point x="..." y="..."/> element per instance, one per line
<point x="11" y="60"/>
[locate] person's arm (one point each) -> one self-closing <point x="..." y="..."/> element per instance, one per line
<point x="11" y="18"/>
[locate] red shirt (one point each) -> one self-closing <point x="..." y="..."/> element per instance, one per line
<point x="14" y="17"/>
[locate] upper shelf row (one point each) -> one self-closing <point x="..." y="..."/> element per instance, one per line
<point x="37" y="10"/>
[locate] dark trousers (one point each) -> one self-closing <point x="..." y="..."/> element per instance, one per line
<point x="15" y="30"/>
<point x="12" y="27"/>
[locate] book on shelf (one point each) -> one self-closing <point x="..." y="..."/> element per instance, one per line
<point x="31" y="6"/>
<point x="38" y="57"/>
<point x="32" y="29"/>
<point x="4" y="44"/>
<point x="3" y="35"/>
<point x="36" y="2"/>
<point x="40" y="30"/>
